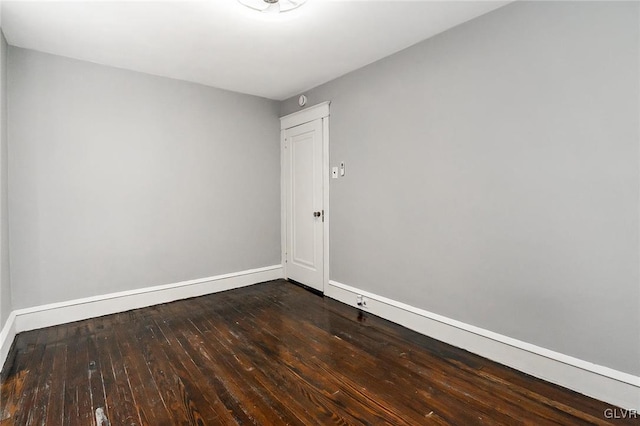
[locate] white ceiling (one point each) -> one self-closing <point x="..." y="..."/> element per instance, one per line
<point x="223" y="44"/>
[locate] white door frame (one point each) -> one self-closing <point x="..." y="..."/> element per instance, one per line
<point x="319" y="111"/>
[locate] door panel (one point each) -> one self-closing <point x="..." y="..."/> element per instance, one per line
<point x="303" y="147"/>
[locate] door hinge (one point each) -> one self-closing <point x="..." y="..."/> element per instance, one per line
<point x="323" y="215"/>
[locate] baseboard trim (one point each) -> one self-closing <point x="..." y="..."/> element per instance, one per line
<point x="604" y="383"/>
<point x="90" y="307"/>
<point x="7" y="335"/>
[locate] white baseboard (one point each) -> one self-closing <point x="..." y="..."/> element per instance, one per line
<point x="603" y="383"/>
<point x="90" y="307"/>
<point x="7" y="335"/>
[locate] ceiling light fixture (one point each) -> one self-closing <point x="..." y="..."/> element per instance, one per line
<point x="272" y="6"/>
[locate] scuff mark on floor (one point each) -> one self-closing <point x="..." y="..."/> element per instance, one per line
<point x="101" y="418"/>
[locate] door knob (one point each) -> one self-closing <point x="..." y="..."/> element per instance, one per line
<point x="316" y="214"/>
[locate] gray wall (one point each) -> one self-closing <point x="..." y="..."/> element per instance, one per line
<point x="5" y="285"/>
<point x="492" y="176"/>
<point x="120" y="180"/>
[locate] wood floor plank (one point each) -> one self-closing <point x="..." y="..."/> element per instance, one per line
<point x="163" y="380"/>
<point x="55" y="404"/>
<point x="192" y="394"/>
<point x="95" y="373"/>
<point x="77" y="405"/>
<point x="232" y="396"/>
<point x="45" y="374"/>
<point x="120" y="404"/>
<point x="311" y="341"/>
<point x="268" y="354"/>
<point x="191" y="367"/>
<point x="12" y="382"/>
<point x="269" y="372"/>
<point x="30" y="389"/>
<point x="314" y="389"/>
<point x="150" y="405"/>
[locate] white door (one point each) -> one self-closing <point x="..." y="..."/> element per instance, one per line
<point x="304" y="203"/>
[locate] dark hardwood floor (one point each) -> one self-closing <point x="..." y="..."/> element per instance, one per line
<point x="268" y="354"/>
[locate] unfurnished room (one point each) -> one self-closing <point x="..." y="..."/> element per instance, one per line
<point x="312" y="212"/>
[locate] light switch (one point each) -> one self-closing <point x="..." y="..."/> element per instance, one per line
<point x="334" y="172"/>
